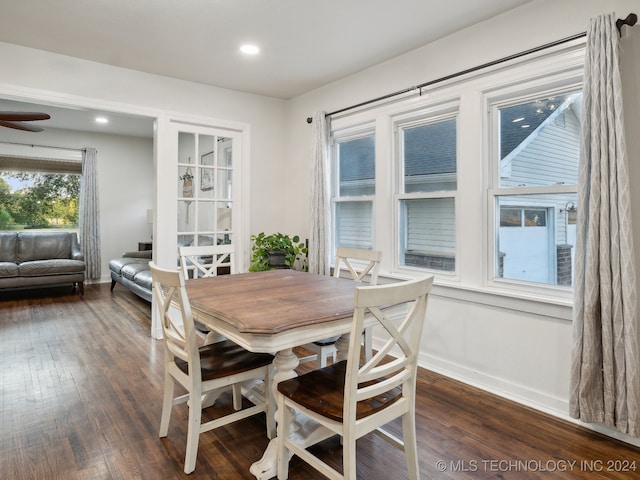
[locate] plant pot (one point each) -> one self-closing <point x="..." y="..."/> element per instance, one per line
<point x="277" y="260"/>
<point x="187" y="189"/>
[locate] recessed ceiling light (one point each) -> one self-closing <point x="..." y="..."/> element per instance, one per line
<point x="515" y="120"/>
<point x="102" y="120"/>
<point x="249" y="49"/>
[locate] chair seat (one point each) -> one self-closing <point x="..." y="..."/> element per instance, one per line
<point x="327" y="341"/>
<point x="200" y="327"/>
<point x="226" y="358"/>
<point x="322" y="391"/>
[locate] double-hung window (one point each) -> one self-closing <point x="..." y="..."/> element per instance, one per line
<point x="533" y="192"/>
<point x="475" y="182"/>
<point x="427" y="192"/>
<point x="353" y="190"/>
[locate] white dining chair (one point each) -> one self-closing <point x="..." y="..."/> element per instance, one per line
<point x="204" y="261"/>
<point x="202" y="370"/>
<point x="362" y="266"/>
<point x="353" y="399"/>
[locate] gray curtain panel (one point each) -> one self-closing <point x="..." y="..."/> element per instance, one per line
<point x="605" y="386"/>
<point x="89" y="222"/>
<point x="320" y="215"/>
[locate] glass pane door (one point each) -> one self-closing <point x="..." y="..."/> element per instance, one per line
<point x="205" y="193"/>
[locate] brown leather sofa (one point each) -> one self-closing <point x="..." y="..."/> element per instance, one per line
<point x="34" y="259"/>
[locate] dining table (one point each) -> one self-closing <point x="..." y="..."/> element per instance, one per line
<point x="273" y="312"/>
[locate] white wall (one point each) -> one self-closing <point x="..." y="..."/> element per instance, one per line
<point x="517" y="348"/>
<point x="39" y="76"/>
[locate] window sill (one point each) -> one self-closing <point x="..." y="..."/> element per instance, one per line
<point x="560" y="307"/>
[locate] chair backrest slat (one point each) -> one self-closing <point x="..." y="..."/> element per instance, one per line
<point x="349" y="258"/>
<point x="399" y="310"/>
<point x="206" y="259"/>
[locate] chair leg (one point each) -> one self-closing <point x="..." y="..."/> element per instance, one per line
<point x="410" y="444"/>
<point x="326" y="351"/>
<point x="193" y="430"/>
<point x="322" y="356"/>
<point x="237" y="396"/>
<point x="167" y="404"/>
<point x="349" y="457"/>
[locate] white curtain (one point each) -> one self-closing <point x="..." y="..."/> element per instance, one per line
<point x="605" y="386"/>
<point x="89" y="222"/>
<point x="320" y="214"/>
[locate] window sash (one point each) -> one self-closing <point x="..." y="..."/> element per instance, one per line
<point x="525" y="254"/>
<point x="352" y="199"/>
<point x="424" y="241"/>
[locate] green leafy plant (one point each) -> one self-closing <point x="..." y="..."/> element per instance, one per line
<point x="187" y="176"/>
<point x="264" y="247"/>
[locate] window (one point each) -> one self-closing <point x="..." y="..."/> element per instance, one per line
<point x="427" y="221"/>
<point x="534" y="190"/>
<point x="354" y="190"/>
<point x="473" y="180"/>
<point x="30" y="200"/>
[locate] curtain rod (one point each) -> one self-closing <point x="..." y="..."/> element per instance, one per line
<point x="630" y="20"/>
<point x="44" y="146"/>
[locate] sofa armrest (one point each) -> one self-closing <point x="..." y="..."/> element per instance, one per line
<point x="76" y="253"/>
<point x="140" y="254"/>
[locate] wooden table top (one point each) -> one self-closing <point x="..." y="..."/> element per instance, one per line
<point x="274" y="301"/>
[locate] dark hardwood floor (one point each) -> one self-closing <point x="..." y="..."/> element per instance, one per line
<point x="81" y="399"/>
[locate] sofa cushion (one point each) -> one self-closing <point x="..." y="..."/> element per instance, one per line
<point x="131" y="270"/>
<point x="8" y="269"/>
<point x="43" y="246"/>
<point x="143" y="278"/>
<point x="117" y="264"/>
<point x="8" y="246"/>
<point x="39" y="268"/>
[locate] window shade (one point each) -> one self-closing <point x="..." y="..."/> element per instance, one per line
<point x="32" y="164"/>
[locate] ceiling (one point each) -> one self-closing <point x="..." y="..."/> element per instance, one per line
<point x="304" y="44"/>
<point x="82" y="119"/>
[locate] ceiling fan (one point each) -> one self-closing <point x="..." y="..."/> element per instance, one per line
<point x="15" y="119"/>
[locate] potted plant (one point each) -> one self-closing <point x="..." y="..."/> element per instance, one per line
<point x="276" y="251"/>
<point x="187" y="183"/>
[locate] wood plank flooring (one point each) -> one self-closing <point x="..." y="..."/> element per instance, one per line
<point x="81" y="399"/>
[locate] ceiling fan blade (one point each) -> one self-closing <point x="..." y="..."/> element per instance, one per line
<point x="20" y="126"/>
<point x="23" y="116"/>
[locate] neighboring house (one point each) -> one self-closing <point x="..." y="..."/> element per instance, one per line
<point x="354" y="226"/>
<point x="545" y="152"/>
